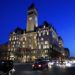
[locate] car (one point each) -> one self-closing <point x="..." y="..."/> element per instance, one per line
<point x="40" y="65"/>
<point x="6" y="66"/>
<point x="50" y="64"/>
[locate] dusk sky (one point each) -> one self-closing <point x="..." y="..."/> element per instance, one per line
<point x="60" y="13"/>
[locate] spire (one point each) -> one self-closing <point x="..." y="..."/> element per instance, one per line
<point x="32" y="6"/>
<point x="32" y="9"/>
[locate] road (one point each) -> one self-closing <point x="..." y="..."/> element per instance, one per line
<point x="25" y="69"/>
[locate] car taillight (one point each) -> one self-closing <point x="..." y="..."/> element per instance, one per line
<point x="39" y="65"/>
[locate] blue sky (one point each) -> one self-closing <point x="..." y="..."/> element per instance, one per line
<point x="61" y="13"/>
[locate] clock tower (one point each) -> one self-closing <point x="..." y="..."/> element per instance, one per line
<point x="31" y="18"/>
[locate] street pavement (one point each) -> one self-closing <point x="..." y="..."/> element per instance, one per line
<point x="26" y="69"/>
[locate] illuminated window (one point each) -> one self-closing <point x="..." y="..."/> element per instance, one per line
<point x="9" y="49"/>
<point x="13" y="32"/>
<point x="15" y="38"/>
<point x="44" y="32"/>
<point x="47" y="32"/>
<point x="30" y="34"/>
<point x="34" y="51"/>
<point x="38" y="31"/>
<point x="12" y="45"/>
<point x="44" y="26"/>
<point x="42" y="39"/>
<point x="39" y="46"/>
<point x="47" y="46"/>
<point x="54" y="35"/>
<point x="30" y="18"/>
<point x="25" y="38"/>
<point x="21" y="39"/>
<point x="28" y="56"/>
<point x="23" y="46"/>
<point x="35" y="41"/>
<point x="13" y="42"/>
<point x="14" y="49"/>
<point x="46" y="42"/>
<point x="31" y="47"/>
<point x="10" y="39"/>
<point x="39" y="34"/>
<point x="44" y="46"/>
<point x="34" y="37"/>
<point x="19" y="43"/>
<point x="46" y="51"/>
<point x="23" y="42"/>
<point x="38" y="43"/>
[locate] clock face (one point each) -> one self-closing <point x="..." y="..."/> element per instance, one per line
<point x="30" y="18"/>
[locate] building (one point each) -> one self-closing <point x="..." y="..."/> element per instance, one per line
<point x="47" y="38"/>
<point x="67" y="53"/>
<point x="4" y="54"/>
<point x="35" y="41"/>
<point x="60" y="41"/>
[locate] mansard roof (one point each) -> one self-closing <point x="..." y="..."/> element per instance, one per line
<point x="19" y="30"/>
<point x="46" y="24"/>
<point x="59" y="37"/>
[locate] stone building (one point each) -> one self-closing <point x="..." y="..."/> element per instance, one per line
<point x="34" y="41"/>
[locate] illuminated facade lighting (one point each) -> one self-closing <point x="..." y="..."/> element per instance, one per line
<point x="35" y="41"/>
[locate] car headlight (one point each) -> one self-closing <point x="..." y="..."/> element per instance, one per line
<point x="2" y="62"/>
<point x="39" y="65"/>
<point x="68" y="65"/>
<point x="33" y="65"/>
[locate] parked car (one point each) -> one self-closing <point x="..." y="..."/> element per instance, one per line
<point x="40" y="65"/>
<point x="6" y="65"/>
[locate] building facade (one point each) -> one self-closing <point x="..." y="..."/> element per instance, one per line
<point x="67" y="53"/>
<point x="35" y="41"/>
<point x="4" y="54"/>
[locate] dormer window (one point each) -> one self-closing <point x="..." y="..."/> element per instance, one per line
<point x="47" y="32"/>
<point x="13" y="32"/>
<point x="44" y="26"/>
<point x="10" y="39"/>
